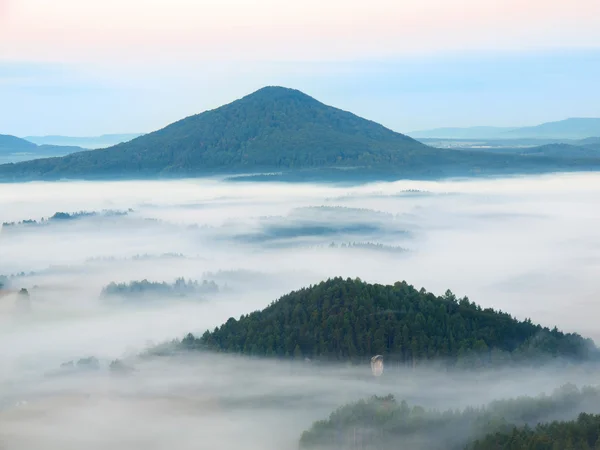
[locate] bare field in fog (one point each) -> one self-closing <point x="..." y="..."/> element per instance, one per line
<point x="529" y="246"/>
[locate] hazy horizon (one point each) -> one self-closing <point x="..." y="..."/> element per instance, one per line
<point x="133" y="66"/>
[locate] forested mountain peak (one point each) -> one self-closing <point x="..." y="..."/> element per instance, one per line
<point x="276" y="129"/>
<point x="351" y="320"/>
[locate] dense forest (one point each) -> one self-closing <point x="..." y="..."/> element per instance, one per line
<point x="580" y="434"/>
<point x="350" y="320"/>
<point x="179" y="288"/>
<point x="383" y="423"/>
<point x="271" y="129"/>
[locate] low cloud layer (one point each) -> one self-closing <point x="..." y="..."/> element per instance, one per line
<point x="529" y="246"/>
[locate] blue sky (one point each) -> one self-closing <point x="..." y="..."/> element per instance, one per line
<point x="85" y="71"/>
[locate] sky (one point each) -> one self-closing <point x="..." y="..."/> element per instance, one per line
<point x="86" y="67"/>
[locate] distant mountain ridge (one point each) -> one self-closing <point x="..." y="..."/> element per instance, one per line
<point x="276" y="129"/>
<point x="16" y="149"/>
<point x="572" y="128"/>
<point x="88" y="142"/>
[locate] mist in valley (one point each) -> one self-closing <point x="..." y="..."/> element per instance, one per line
<point x="528" y="246"/>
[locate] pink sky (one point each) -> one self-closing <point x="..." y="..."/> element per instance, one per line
<point x="184" y="30"/>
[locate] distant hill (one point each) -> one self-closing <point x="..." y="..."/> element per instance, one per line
<point x="88" y="142"/>
<point x="13" y="144"/>
<point x="573" y="128"/>
<point x="275" y="129"/>
<point x="14" y="149"/>
<point x="350" y="320"/>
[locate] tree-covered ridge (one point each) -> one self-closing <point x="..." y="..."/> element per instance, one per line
<point x="384" y="423"/>
<point x="180" y="288"/>
<point x="350" y="320"/>
<point x="580" y="434"/>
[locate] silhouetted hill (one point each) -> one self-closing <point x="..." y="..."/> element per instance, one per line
<point x="273" y="129"/>
<point x="350" y="320"/>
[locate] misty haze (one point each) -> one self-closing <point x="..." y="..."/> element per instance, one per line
<point x="299" y="225"/>
<point x="526" y="245"/>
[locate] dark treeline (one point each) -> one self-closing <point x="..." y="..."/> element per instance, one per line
<point x="63" y="216"/>
<point x="350" y="320"/>
<point x="180" y="287"/>
<point x="580" y="434"/>
<point x="383" y="423"/>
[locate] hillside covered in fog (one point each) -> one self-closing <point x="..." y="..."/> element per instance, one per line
<point x="384" y="423"/>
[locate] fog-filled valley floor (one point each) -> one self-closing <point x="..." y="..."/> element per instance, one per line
<point x="114" y="268"/>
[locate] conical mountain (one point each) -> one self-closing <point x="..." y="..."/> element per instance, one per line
<point x="272" y="128"/>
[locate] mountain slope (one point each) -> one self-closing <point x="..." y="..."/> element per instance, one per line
<point x="273" y="128"/>
<point x="350" y="320"/>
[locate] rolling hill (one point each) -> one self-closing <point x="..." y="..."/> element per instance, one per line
<point x="387" y="424"/>
<point x="350" y="320"/>
<point x="272" y="129"/>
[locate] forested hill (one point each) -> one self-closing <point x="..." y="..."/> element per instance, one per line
<point x="350" y="320"/>
<point x="385" y="424"/>
<point x="275" y="129"/>
<point x="580" y="434"/>
<point x="272" y="128"/>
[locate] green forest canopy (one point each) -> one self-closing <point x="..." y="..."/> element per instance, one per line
<point x="580" y="434"/>
<point x="351" y="320"/>
<point x="384" y="423"/>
